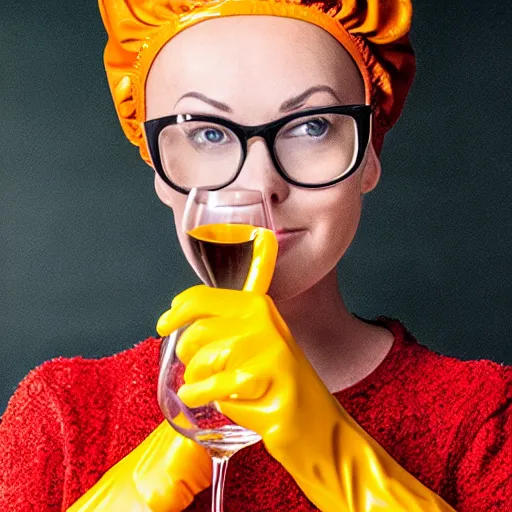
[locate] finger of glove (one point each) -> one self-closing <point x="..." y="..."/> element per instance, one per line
<point x="203" y="332"/>
<point x="168" y="469"/>
<point x="229" y="353"/>
<point x="243" y="385"/>
<point x="208" y="361"/>
<point x="203" y="302"/>
<point x="168" y="477"/>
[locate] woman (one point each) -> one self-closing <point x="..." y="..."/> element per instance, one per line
<point x="444" y="424"/>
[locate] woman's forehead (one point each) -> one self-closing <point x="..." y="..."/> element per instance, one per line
<point x="261" y="58"/>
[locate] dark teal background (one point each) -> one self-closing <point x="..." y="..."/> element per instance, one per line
<point x="89" y="258"/>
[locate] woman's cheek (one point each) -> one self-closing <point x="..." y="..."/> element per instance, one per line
<point x="318" y="253"/>
<point x="333" y="230"/>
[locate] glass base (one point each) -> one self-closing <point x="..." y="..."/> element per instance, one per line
<point x="225" y="441"/>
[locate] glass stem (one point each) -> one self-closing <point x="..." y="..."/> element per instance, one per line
<point x="220" y="465"/>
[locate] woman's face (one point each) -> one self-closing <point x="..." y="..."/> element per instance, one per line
<point x="253" y="64"/>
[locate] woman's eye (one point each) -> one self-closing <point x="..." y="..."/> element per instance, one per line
<point x="211" y="136"/>
<point x="312" y="128"/>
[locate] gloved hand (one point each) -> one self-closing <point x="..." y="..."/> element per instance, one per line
<point x="163" y="474"/>
<point x="240" y="353"/>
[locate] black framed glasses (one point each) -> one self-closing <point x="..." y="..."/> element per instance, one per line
<point x="313" y="148"/>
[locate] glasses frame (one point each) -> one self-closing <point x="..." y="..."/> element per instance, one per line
<point x="268" y="131"/>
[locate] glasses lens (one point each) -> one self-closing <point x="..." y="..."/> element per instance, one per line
<point x="199" y="154"/>
<point x="317" y="149"/>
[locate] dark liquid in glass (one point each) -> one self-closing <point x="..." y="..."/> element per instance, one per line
<point x="225" y="264"/>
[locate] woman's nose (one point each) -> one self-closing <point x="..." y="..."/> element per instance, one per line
<point x="259" y="173"/>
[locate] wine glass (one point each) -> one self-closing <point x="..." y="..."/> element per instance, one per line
<point x="233" y="246"/>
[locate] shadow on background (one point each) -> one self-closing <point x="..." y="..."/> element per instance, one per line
<point x="89" y="258"/>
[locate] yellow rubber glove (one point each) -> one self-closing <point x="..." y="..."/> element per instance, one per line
<point x="239" y="353"/>
<point x="163" y="474"/>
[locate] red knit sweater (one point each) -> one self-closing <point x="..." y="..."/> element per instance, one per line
<point x="448" y="422"/>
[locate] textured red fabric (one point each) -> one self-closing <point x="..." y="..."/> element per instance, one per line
<point x="448" y="422"/>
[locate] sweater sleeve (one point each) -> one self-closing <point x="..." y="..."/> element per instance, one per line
<point x="31" y="448"/>
<point x="484" y="475"/>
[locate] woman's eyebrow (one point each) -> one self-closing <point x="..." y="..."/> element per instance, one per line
<point x="298" y="101"/>
<point x="202" y="97"/>
<point x="289" y="104"/>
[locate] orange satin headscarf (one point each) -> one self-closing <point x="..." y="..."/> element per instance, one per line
<point x="374" y="32"/>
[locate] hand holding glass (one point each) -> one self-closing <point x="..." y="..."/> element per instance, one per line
<point x="233" y="246"/>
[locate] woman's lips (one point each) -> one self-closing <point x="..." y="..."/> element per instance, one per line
<point x="286" y="238"/>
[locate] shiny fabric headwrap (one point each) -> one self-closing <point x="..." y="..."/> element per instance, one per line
<point x="374" y="32"/>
